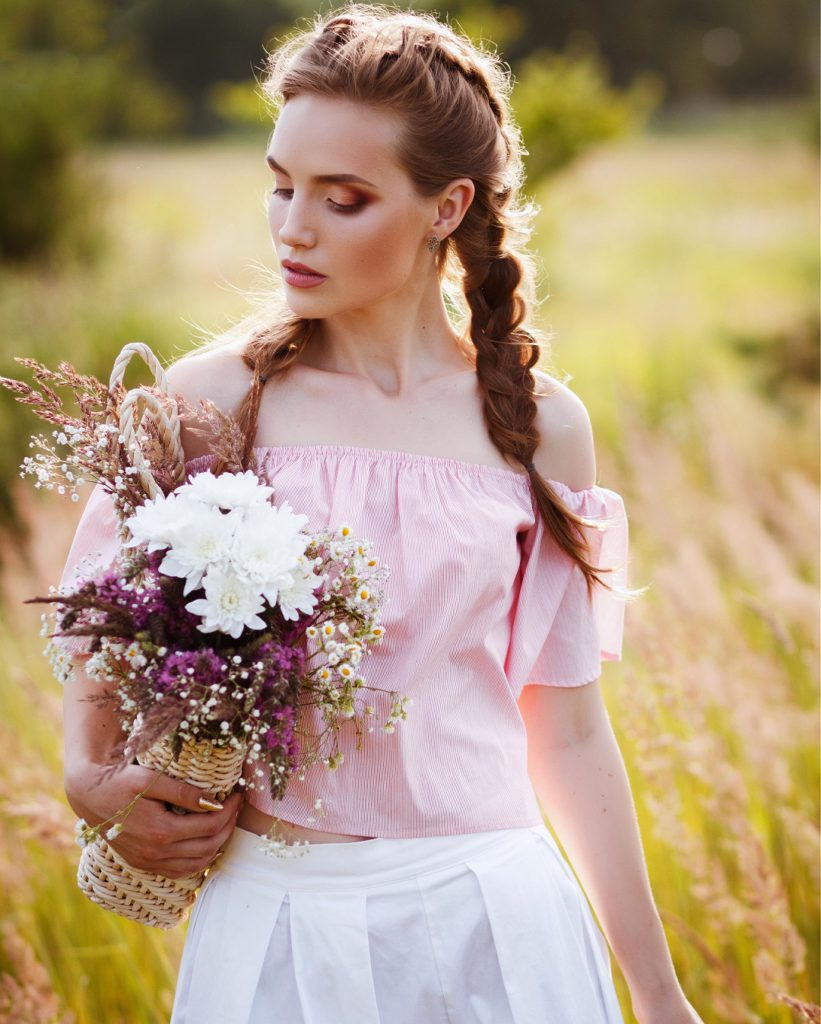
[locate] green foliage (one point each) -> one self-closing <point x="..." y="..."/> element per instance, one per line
<point x="701" y="49"/>
<point x="42" y="120"/>
<point x="495" y="25"/>
<point x="564" y="105"/>
<point x="27" y="25"/>
<point x="189" y="45"/>
<point x="698" y="49"/>
<point x="58" y="89"/>
<point x="239" y="104"/>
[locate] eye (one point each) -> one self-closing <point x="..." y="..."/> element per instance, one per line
<point x="283" y="193"/>
<point x="346" y="207"/>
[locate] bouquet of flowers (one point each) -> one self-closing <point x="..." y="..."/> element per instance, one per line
<point x="220" y="621"/>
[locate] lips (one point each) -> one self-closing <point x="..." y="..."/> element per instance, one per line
<point x="301" y="276"/>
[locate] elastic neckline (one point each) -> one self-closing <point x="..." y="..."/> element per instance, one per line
<point x="411" y="458"/>
<point x="460" y="465"/>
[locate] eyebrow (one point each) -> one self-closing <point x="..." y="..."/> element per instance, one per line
<point x="322" y="179"/>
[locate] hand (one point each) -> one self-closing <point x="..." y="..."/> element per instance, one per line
<point x="154" y="837"/>
<point x="670" y="1008"/>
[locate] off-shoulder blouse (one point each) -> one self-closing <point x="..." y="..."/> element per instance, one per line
<point x="480" y="602"/>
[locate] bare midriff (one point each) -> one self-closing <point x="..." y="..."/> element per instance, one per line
<point x="253" y="820"/>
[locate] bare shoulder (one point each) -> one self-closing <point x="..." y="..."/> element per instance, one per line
<point x="217" y="375"/>
<point x="566" y="451"/>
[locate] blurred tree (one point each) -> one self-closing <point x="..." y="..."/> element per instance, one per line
<point x="61" y="84"/>
<point x="191" y="44"/>
<point x="699" y="47"/>
<point x="496" y="25"/>
<point x="564" y="105"/>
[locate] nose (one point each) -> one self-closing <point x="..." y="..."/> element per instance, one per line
<point x="294" y="225"/>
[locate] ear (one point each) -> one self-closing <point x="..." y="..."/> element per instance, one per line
<point x="452" y="206"/>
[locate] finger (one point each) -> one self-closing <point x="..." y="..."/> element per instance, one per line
<point x="202" y="850"/>
<point x="148" y="850"/>
<point x="202" y="854"/>
<point x="207" y="802"/>
<point x="160" y="826"/>
<point x="186" y="857"/>
<point x="205" y="847"/>
<point x="184" y="795"/>
<point x="179" y="792"/>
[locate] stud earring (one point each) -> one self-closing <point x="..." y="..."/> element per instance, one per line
<point x="433" y="243"/>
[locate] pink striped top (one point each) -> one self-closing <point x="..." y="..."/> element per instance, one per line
<point x="480" y="602"/>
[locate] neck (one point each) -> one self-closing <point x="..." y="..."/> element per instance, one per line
<point x="395" y="345"/>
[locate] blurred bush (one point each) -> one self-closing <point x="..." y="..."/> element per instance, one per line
<point x="239" y="105"/>
<point x="62" y="84"/>
<point x="189" y="45"/>
<point x="564" y="104"/>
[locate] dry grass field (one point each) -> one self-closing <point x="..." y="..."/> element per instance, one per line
<point x="681" y="272"/>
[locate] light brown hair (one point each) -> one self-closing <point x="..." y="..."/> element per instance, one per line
<point x="452" y="99"/>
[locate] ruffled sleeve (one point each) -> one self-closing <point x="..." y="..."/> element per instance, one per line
<point x="559" y="637"/>
<point x="94" y="547"/>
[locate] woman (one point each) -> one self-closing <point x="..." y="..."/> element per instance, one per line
<point x="432" y="890"/>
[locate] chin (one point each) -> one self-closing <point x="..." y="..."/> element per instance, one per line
<point x="305" y="305"/>
<point x="320" y="309"/>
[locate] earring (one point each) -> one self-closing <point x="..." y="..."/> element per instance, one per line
<point x="433" y="243"/>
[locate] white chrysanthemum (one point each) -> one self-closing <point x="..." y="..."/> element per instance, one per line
<point x="268" y="548"/>
<point x="300" y="596"/>
<point x="159" y="520"/>
<point x="229" y="606"/>
<point x="205" y="542"/>
<point x="228" y="490"/>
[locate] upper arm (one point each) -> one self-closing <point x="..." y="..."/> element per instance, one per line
<point x="557" y="716"/>
<point x="566" y="452"/>
<point x="216" y="375"/>
<point x="562" y="716"/>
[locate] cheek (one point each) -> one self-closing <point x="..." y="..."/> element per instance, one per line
<point x="380" y="251"/>
<point x="276" y="216"/>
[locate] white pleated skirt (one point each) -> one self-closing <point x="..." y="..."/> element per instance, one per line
<point x="483" y="928"/>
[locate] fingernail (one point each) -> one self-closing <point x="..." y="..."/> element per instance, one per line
<point x="209" y="805"/>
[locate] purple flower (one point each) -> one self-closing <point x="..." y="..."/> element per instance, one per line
<point x="202" y="667"/>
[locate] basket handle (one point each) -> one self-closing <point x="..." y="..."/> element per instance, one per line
<point x="165" y="415"/>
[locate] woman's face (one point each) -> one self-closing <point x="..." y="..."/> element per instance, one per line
<point x="342" y="206"/>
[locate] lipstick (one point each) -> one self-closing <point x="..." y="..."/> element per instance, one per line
<point x="300" y="276"/>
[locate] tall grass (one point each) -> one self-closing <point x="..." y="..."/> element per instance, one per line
<point x="681" y="274"/>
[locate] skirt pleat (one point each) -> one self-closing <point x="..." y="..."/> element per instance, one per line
<point x="328" y="930"/>
<point x="482" y="928"/>
<point x="232" y="923"/>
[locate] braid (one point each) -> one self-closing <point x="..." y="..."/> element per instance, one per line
<point x="505" y="355"/>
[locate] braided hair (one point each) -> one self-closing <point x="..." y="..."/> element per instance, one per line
<point x="452" y="98"/>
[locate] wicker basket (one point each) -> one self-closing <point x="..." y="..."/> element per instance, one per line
<point x="109" y="881"/>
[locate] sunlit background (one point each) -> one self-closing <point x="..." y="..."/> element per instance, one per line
<point x="673" y="150"/>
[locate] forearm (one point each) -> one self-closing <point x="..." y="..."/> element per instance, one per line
<point x="90" y="730"/>
<point x="584" y="791"/>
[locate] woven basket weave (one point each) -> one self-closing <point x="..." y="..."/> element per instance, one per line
<point x="112" y="883"/>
